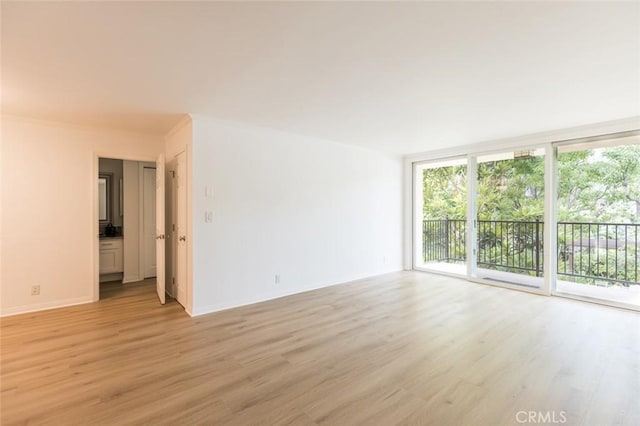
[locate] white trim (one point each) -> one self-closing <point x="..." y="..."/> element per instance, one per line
<point x="559" y="135"/>
<point x="76" y="126"/>
<point x="416" y="219"/>
<point x="174" y="234"/>
<point x="17" y="310"/>
<point x="116" y="156"/>
<point x="189" y="172"/>
<point x="438" y="272"/>
<point x="141" y="220"/>
<point x="549" y="259"/>
<point x="95" y="291"/>
<point x="472" y="214"/>
<point x="407" y="225"/>
<point x="595" y="301"/>
<point x="416" y="199"/>
<point x="169" y="293"/>
<point x="600" y="141"/>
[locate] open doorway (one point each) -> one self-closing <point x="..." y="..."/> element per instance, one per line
<point x="130" y="237"/>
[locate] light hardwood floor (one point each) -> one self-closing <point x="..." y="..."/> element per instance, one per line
<point x="405" y="348"/>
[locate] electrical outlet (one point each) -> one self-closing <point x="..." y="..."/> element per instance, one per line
<point x="277" y="280"/>
<point x="35" y="290"/>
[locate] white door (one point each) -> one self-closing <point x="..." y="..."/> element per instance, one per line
<point x="181" y="229"/>
<point x="160" y="271"/>
<point x="149" y="221"/>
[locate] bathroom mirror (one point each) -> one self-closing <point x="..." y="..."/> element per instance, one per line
<point x="104" y="197"/>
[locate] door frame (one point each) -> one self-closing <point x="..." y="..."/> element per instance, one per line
<point x="175" y="201"/>
<point x="417" y="222"/>
<point x="141" y="189"/>
<point x="94" y="238"/>
<point x="472" y="237"/>
<point x="553" y="291"/>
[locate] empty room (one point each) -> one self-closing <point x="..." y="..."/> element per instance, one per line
<point x="305" y="213"/>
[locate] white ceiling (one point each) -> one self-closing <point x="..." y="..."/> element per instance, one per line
<point x="399" y="77"/>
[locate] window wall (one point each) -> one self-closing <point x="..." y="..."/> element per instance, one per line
<point x="558" y="218"/>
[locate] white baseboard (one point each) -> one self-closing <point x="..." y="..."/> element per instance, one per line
<point x="203" y="310"/>
<point x="168" y="291"/>
<point x="45" y="306"/>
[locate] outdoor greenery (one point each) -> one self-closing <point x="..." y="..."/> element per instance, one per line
<point x="594" y="186"/>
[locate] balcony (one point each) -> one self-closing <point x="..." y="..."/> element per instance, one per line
<point x="594" y="254"/>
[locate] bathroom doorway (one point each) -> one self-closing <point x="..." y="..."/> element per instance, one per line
<point x="130" y="233"/>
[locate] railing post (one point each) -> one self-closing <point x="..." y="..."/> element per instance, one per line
<point x="537" y="246"/>
<point x="424" y="240"/>
<point x="446" y="238"/>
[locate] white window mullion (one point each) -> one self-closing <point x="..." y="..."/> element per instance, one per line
<point x="550" y="219"/>
<point x="472" y="214"/>
<point x="417" y="216"/>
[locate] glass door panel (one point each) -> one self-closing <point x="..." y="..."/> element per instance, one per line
<point x="598" y="213"/>
<point x="510" y="212"/>
<point x="440" y="212"/>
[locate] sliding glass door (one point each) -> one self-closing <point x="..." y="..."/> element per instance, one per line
<point x="598" y="214"/>
<point x="440" y="213"/>
<point x="563" y="218"/>
<point x="509" y="223"/>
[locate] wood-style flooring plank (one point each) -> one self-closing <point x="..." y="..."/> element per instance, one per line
<point x="406" y="348"/>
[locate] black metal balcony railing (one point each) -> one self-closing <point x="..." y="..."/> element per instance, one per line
<point x="594" y="253"/>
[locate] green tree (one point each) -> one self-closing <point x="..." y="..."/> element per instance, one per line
<point x="595" y="186"/>
<point x="511" y="189"/>
<point x="445" y="192"/>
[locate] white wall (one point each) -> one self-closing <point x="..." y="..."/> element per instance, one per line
<point x="315" y="212"/>
<point x="49" y="236"/>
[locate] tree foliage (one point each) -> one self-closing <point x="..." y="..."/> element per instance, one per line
<point x="594" y="186"/>
<point x="601" y="185"/>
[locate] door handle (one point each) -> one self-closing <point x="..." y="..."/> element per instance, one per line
<point x="183" y="238"/>
<point x="160" y="237"/>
